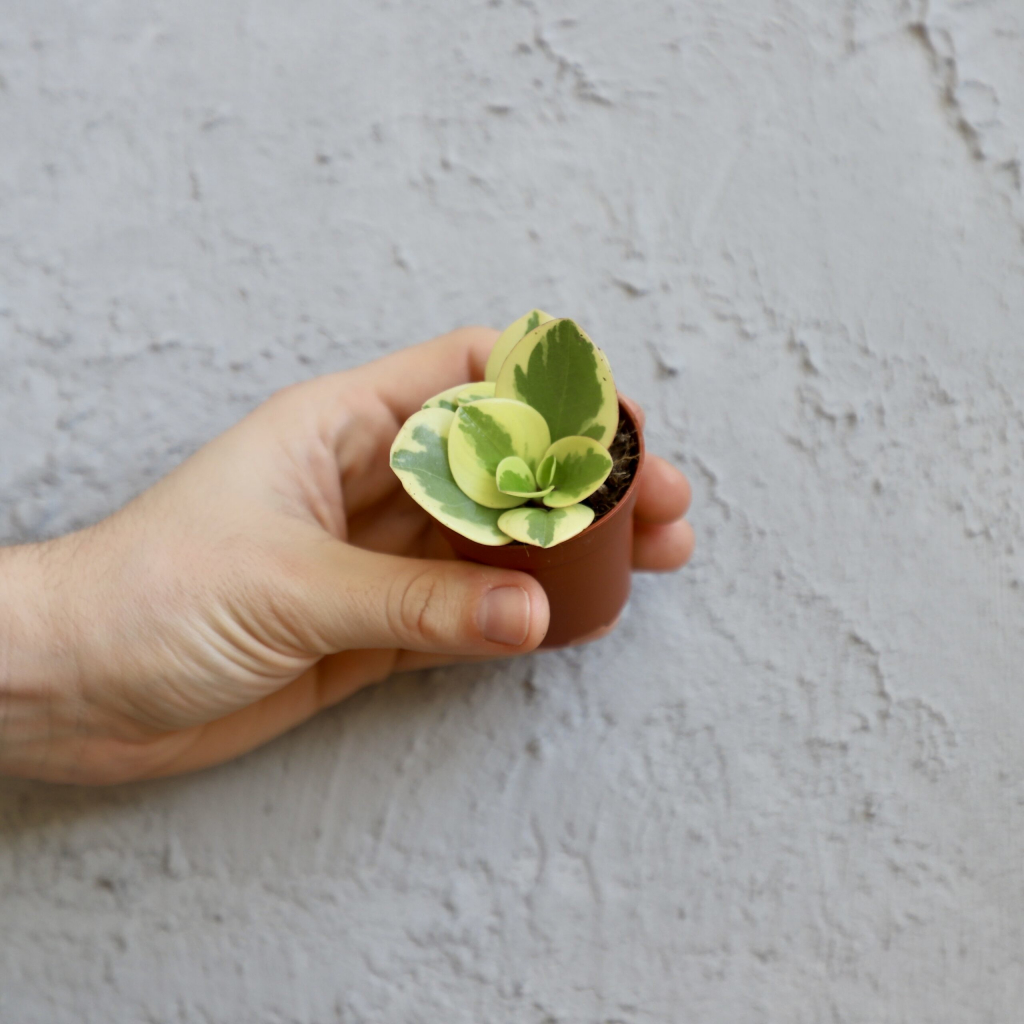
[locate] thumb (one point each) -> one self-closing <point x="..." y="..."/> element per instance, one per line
<point x="370" y="600"/>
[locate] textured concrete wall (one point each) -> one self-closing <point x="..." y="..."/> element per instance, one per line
<point x="791" y="787"/>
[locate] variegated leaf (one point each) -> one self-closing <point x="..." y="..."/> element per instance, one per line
<point x="475" y="392"/>
<point x="419" y="457"/>
<point x="581" y="466"/>
<point x="508" y="339"/>
<point x="559" y="371"/>
<point x="546" y="471"/>
<point x="444" y="399"/>
<point x="485" y="432"/>
<point x="514" y="476"/>
<point x="544" y="527"/>
<point x="461" y="394"/>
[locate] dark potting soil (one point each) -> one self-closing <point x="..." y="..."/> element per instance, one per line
<point x="625" y="451"/>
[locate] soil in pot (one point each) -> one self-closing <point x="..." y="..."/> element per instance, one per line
<point x="587" y="579"/>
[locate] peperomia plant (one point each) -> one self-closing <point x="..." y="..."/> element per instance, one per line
<point x="512" y="457"/>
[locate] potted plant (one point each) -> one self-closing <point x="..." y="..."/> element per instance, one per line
<point x="534" y="468"/>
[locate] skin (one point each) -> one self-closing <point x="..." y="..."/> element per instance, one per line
<point x="273" y="574"/>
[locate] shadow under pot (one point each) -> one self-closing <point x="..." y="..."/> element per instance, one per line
<point x="587" y="578"/>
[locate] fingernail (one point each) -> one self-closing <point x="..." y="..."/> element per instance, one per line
<point x="504" y="616"/>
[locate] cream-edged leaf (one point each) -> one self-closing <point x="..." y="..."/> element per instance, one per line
<point x="546" y="470"/>
<point x="559" y="371"/>
<point x="544" y="527"/>
<point x="485" y="432"/>
<point x="461" y="394"/>
<point x="475" y="392"/>
<point x="514" y="476"/>
<point x="508" y="339"/>
<point x="581" y="466"/>
<point x="444" y="399"/>
<point x="419" y="457"/>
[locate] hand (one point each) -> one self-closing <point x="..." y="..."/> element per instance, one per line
<point x="274" y="573"/>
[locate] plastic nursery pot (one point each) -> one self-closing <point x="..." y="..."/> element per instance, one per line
<point x="586" y="578"/>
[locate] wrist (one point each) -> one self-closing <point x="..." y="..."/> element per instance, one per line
<point x="38" y="658"/>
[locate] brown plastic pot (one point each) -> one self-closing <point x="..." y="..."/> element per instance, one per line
<point x="587" y="578"/>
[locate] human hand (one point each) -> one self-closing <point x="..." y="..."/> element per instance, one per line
<point x="275" y="572"/>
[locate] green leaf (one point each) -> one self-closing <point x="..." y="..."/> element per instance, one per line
<point x="546" y="471"/>
<point x="486" y="432"/>
<point x="559" y="371"/>
<point x="543" y="527"/>
<point x="419" y="457"/>
<point x="514" y="476"/>
<point x="508" y="339"/>
<point x="581" y="466"/>
<point x="461" y="394"/>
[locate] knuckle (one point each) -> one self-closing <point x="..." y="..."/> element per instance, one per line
<point x="475" y="334"/>
<point x="286" y="394"/>
<point x="292" y="400"/>
<point x="418" y="607"/>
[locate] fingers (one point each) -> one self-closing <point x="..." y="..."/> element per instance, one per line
<point x="662" y="547"/>
<point x="413" y="661"/>
<point x="366" y="406"/>
<point x="329" y="682"/>
<point x="405" y="379"/>
<point x="360" y="599"/>
<point x="396" y="525"/>
<point x="326" y="684"/>
<point x="662" y="539"/>
<point x="663" y="493"/>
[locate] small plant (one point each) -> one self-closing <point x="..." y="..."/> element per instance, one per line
<point x="513" y="457"/>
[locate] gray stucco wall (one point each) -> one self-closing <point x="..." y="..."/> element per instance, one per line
<point x="791" y="787"/>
